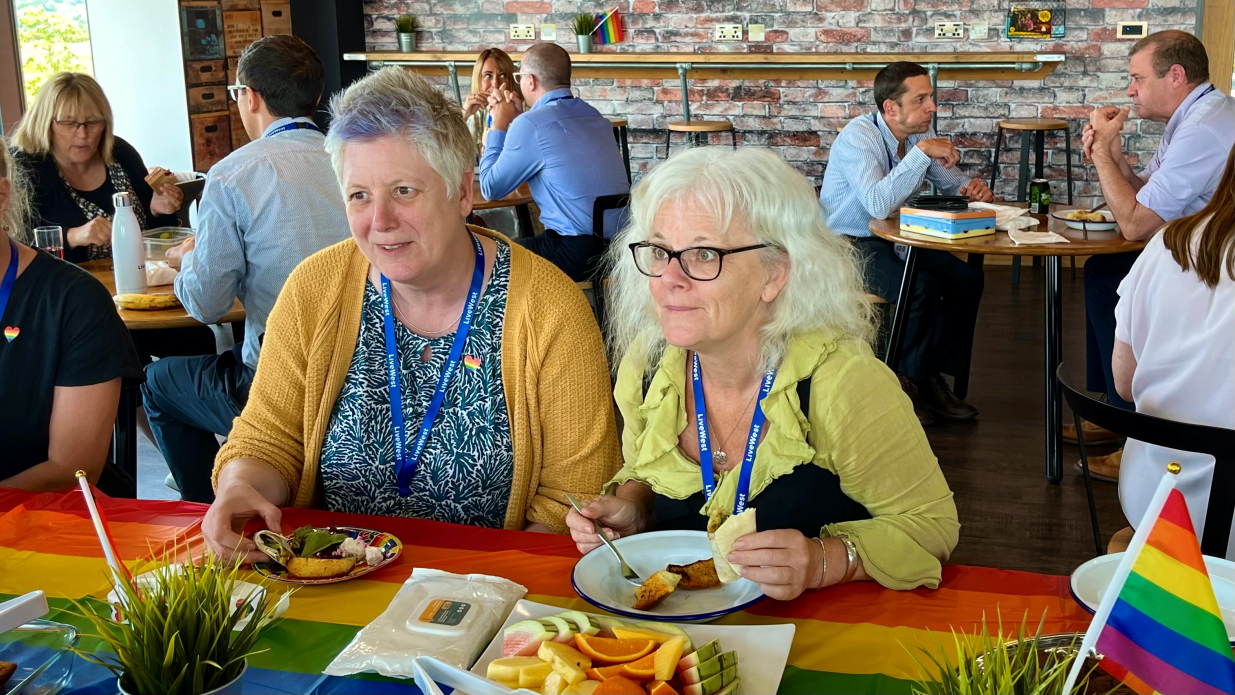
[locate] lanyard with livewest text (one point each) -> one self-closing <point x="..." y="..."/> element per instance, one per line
<point x="10" y="276"/>
<point x="752" y="439"/>
<point x="294" y="125"/>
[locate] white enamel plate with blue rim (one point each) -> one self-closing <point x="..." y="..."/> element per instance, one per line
<point x="597" y="578"/>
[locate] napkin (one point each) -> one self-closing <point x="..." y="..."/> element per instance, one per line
<point x="159" y="273"/>
<point x="1021" y="238"/>
<point x="1007" y="218"/>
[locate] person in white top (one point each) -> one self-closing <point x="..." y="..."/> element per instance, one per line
<point x="1175" y="322"/>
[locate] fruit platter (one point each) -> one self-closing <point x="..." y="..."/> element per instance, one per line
<point x="547" y="650"/>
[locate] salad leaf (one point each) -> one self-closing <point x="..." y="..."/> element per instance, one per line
<point x="317" y="541"/>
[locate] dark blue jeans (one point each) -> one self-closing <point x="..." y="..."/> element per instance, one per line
<point x="188" y="400"/>
<point x="577" y="256"/>
<point x="1102" y="277"/>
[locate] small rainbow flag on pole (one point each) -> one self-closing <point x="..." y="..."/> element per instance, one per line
<point x="609" y="28"/>
<point x="1158" y="627"/>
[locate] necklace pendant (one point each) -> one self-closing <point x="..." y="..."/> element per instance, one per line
<point x="719" y="458"/>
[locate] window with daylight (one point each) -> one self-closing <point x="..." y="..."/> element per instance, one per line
<point x="53" y="36"/>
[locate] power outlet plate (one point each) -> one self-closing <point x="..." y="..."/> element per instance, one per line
<point x="756" y="32"/>
<point x="728" y="32"/>
<point x="949" y="30"/>
<point x="522" y="32"/>
<point x="1131" y="30"/>
<point x="548" y="32"/>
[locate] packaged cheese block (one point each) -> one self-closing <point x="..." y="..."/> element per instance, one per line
<point x="723" y="539"/>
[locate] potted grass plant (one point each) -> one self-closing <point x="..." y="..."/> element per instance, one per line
<point x="173" y="632"/>
<point x="405" y="27"/>
<point x="584" y="24"/>
<point x="1034" y="664"/>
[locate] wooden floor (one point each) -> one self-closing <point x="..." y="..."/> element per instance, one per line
<point x="1010" y="516"/>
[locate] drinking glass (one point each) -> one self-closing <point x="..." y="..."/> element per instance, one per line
<point x="51" y="240"/>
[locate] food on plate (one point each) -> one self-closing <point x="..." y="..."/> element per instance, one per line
<point x="712" y="667"/>
<point x="661" y="688"/>
<point x="7" y="669"/>
<point x="525" y="637"/>
<point x="311" y="553"/>
<point x="723" y="532"/>
<point x="146" y="302"/>
<point x="640" y="671"/>
<point x="619" y="685"/>
<point x="655" y="589"/>
<point x="667" y="657"/>
<point x="609" y="650"/>
<point x="696" y="575"/>
<point x="1085" y="216"/>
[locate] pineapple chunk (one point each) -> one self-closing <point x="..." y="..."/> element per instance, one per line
<point x="566" y="652"/>
<point x="508" y="669"/>
<point x="667" y="657"/>
<point x="533" y="677"/>
<point x="554" y="685"/>
<point x="585" y="688"/>
<point x="569" y="672"/>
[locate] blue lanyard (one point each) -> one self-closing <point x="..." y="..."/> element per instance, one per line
<point x="10" y="276"/>
<point x="405" y="463"/>
<point x="875" y="120"/>
<point x="294" y="125"/>
<point x="752" y="440"/>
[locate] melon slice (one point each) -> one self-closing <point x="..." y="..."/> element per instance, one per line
<point x="701" y="655"/>
<point x="581" y="620"/>
<point x="565" y="630"/>
<point x="709" y="668"/>
<point x="713" y="685"/>
<point x="524" y="638"/>
<point x="671" y="629"/>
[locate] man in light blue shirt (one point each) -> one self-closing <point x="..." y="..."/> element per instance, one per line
<point x="878" y="162"/>
<point x="1169" y="82"/>
<point x="564" y="149"/>
<point x="265" y="208"/>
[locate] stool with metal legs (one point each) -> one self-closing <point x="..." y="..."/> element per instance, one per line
<point x="696" y="128"/>
<point x="619" y="134"/>
<point x="1038" y="127"/>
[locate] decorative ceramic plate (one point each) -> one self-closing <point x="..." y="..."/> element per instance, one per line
<point x="1105" y="226"/>
<point x="390" y="546"/>
<point x="1090" y="581"/>
<point x="598" y="579"/>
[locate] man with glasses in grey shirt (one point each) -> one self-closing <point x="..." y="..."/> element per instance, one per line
<point x="266" y="207"/>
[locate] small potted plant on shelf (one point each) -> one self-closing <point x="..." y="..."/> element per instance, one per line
<point x="406" y="26"/>
<point x="584" y="25"/>
<point x="176" y="631"/>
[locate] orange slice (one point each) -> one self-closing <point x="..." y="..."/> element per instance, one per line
<point x="619" y="686"/>
<point x="602" y="673"/>
<point x="642" y="670"/>
<point x="614" y="651"/>
<point x="661" y="688"/>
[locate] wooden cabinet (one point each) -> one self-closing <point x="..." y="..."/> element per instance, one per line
<point x="212" y="138"/>
<point x="240" y="138"/>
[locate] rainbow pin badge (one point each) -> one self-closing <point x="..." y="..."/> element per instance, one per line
<point x="11" y="333"/>
<point x="471" y="362"/>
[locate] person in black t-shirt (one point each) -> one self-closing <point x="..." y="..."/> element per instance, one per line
<point x="63" y="355"/>
<point x="76" y="163"/>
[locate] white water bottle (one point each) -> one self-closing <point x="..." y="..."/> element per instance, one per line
<point x="128" y="259"/>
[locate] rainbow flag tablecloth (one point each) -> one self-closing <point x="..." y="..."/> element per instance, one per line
<point x="849" y="639"/>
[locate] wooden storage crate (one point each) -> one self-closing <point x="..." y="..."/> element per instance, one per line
<point x="241" y="5"/>
<point x="205" y="72"/>
<point x="276" y="18"/>
<point x="240" y="29"/>
<point x="211" y="99"/>
<point x="201" y="25"/>
<point x="240" y="138"/>
<point x="212" y="139"/>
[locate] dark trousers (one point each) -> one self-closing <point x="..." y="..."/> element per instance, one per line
<point x="1102" y="277"/>
<point x="577" y="256"/>
<point x="943" y="311"/>
<point x="188" y="401"/>
<point x="169" y="342"/>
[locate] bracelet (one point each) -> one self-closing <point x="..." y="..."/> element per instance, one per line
<point x="823" y="576"/>
<point x="852" y="551"/>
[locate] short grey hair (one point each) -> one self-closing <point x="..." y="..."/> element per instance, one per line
<point x="394" y="102"/>
<point x="824" y="289"/>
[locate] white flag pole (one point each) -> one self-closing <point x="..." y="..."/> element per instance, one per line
<point x="1121" y="574"/>
<point x="118" y="569"/>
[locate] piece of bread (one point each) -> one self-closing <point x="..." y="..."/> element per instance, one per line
<point x="696" y="575"/>
<point x="7" y="669"/>
<point x="654" y="589"/>
<point x="723" y="539"/>
<point x="158" y="182"/>
<point x="319" y="568"/>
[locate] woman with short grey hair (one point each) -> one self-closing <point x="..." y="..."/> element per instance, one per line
<point x="735" y="310"/>
<point x="425" y="367"/>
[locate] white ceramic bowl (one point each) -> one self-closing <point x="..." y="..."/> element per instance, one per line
<point x="1106" y="226"/>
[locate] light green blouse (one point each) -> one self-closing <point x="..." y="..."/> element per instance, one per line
<point x="861" y="427"/>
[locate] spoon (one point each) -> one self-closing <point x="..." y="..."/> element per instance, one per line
<point x="627" y="573"/>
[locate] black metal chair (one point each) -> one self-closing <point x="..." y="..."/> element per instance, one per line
<point x="609" y="213"/>
<point x="1215" y="441"/>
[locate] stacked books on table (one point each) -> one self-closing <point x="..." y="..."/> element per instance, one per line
<point x="948" y="224"/>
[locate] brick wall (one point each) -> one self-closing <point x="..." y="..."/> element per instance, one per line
<point x="800" y="118"/>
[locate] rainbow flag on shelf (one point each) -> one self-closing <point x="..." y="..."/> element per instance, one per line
<point x="608" y="28"/>
<point x="1158" y="627"/>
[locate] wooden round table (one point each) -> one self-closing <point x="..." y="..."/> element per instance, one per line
<point x="175" y="317"/>
<point x="520" y="199"/>
<point x="1080" y="244"/>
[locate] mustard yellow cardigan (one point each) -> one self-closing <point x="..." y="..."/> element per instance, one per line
<point x="554" y="373"/>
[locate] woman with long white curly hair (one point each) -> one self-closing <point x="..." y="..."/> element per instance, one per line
<point x="746" y="378"/>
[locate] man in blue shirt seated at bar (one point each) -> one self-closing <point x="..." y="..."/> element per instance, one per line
<point x="879" y="161"/>
<point x="266" y="207"/>
<point x="564" y="150"/>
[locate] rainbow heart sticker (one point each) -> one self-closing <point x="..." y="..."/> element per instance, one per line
<point x="471" y="362"/>
<point x="11" y="332"/>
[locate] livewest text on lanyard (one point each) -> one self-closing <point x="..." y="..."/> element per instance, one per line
<point x="10" y="276"/>
<point x="405" y="461"/>
<point x="752" y="439"/>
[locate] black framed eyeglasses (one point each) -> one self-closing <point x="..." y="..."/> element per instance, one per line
<point x="702" y="263"/>
<point x="233" y="90"/>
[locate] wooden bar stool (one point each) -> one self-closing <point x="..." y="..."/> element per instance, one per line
<point x="1038" y="127"/>
<point x="619" y="134"/>
<point x="694" y="128"/>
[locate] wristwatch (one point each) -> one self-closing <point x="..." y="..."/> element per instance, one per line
<point x="851" y="568"/>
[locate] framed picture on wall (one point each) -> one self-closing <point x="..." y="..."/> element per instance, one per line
<point x="202" y="27"/>
<point x="1036" y="23"/>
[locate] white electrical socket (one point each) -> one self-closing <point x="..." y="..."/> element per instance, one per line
<point x="522" y="32"/>
<point x="979" y="30"/>
<point x="548" y="32"/>
<point x="728" y="32"/>
<point x="755" y="32"/>
<point x="949" y="30"/>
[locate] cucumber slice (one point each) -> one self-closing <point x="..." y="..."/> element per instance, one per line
<point x="565" y="631"/>
<point x="581" y="620"/>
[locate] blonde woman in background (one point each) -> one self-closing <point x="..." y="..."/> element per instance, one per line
<point x="494" y="70"/>
<point x="733" y="303"/>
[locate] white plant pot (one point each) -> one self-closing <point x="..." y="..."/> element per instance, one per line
<point x="585" y="43"/>
<point x="235" y="687"/>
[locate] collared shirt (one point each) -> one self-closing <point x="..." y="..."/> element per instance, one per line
<point x="266" y="207"/>
<point x="866" y="180"/>
<point x="564" y="149"/>
<point x="1184" y="173"/>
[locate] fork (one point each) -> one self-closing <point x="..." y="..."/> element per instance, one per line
<point x="627" y="573"/>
